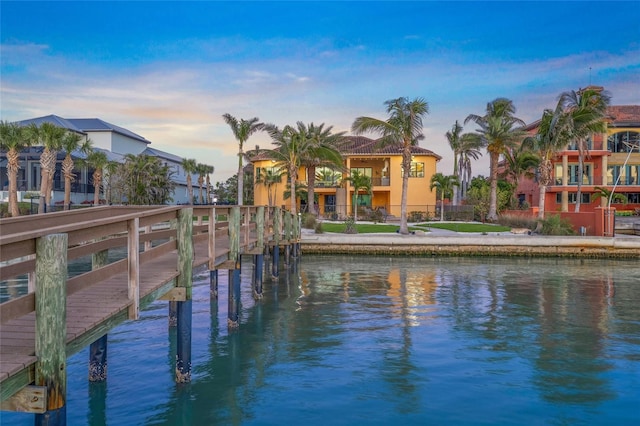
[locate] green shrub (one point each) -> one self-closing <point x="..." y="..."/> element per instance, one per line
<point x="318" y="228"/>
<point x="554" y="225"/>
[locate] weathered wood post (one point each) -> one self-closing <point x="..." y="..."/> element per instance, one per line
<point x="258" y="258"/>
<point x="173" y="306"/>
<point x="98" y="349"/>
<point x="51" y="326"/>
<point x="234" y="274"/>
<point x="297" y="232"/>
<point x="133" y="247"/>
<point x="211" y="242"/>
<point x="287" y="238"/>
<point x="277" y="232"/>
<point x="184" y="280"/>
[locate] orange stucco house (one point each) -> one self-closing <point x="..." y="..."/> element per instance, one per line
<point x="335" y="196"/>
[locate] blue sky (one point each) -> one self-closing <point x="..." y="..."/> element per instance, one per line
<point x="169" y="70"/>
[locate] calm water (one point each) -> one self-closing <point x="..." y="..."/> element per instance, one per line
<point x="375" y="340"/>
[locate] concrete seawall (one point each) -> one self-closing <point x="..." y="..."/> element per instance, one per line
<point x="472" y="245"/>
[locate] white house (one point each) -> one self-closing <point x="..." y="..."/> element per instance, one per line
<point x="114" y="140"/>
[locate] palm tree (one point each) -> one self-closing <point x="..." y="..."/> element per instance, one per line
<point x="291" y="147"/>
<point x="552" y="136"/>
<point x="71" y="142"/>
<point x="189" y="165"/>
<point x="519" y="162"/>
<point x="50" y="136"/>
<point x="201" y="171"/>
<point x="468" y="150"/>
<point x="324" y="152"/>
<point x="359" y="182"/>
<point x="445" y="186"/>
<point x="209" y="171"/>
<point x="607" y="193"/>
<point x="13" y="139"/>
<point x="146" y="181"/>
<point x="242" y="130"/>
<point x="455" y="142"/>
<point x="403" y="128"/>
<point x="98" y="161"/>
<point x="587" y="109"/>
<point x="270" y="178"/>
<point x="498" y="132"/>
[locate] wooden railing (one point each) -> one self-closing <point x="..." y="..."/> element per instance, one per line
<point x="151" y="229"/>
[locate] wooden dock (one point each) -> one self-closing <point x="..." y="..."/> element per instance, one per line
<point x="113" y="292"/>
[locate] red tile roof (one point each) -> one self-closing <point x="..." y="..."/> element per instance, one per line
<point x="360" y="145"/>
<point x="624" y="115"/>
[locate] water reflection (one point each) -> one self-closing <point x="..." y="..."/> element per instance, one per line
<point x="353" y="340"/>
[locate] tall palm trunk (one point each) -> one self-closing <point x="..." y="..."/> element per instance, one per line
<point x="492" y="216"/>
<point x="545" y="179"/>
<point x="311" y="192"/>
<point x="189" y="188"/>
<point x="45" y="172"/>
<point x="97" y="182"/>
<point x="13" y="165"/>
<point x="292" y="182"/>
<point x="240" y="195"/>
<point x="67" y="171"/>
<point x="406" y="165"/>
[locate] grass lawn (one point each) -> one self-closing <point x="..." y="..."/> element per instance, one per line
<point x="367" y="228"/>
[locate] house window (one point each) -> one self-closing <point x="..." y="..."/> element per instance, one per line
<point x="363" y="171"/>
<point x="587" y="177"/>
<point x="268" y="173"/>
<point x="623" y="141"/>
<point x="573" y="196"/>
<point x="417" y="170"/>
<point x="633" y="197"/>
<point x="559" y="174"/>
<point x="327" y="177"/>
<point x="623" y="175"/>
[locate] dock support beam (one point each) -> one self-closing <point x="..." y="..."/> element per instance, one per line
<point x="185" y="280"/>
<point x="98" y="349"/>
<point x="173" y="314"/>
<point x="277" y="235"/>
<point x="51" y="330"/>
<point x="233" y="298"/>
<point x="234" y="274"/>
<point x="258" y="263"/>
<point x="213" y="283"/>
<point x="258" y="258"/>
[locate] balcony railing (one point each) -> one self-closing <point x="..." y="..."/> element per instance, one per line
<point x="587" y="180"/>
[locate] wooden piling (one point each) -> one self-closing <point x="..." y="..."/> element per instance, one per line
<point x="258" y="259"/>
<point x="51" y="330"/>
<point x="234" y="274"/>
<point x="133" y="247"/>
<point x="213" y="283"/>
<point x="277" y="235"/>
<point x="184" y="308"/>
